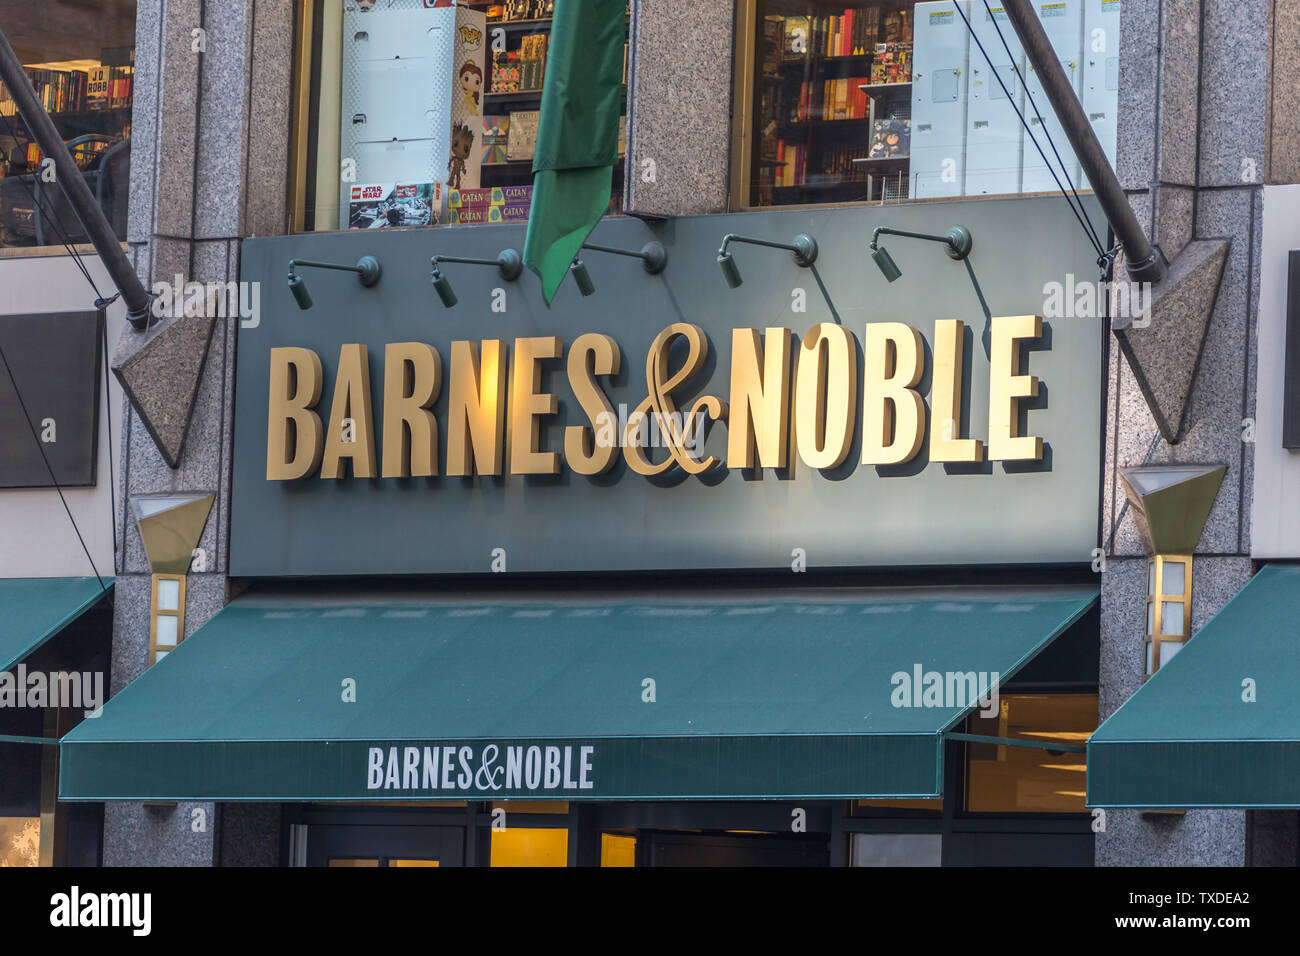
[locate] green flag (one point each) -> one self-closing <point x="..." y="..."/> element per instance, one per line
<point x="577" y="135"/>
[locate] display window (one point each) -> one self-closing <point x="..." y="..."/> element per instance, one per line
<point x="1041" y="779"/>
<point x="80" y="60"/>
<point x="895" y="100"/>
<point x="414" y="114"/>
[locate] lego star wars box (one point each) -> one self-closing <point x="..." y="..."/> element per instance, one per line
<point x="412" y="96"/>
<point x="384" y="205"/>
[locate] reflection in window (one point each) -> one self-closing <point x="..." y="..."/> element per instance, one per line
<point x="80" y="60"/>
<point x="893" y="99"/>
<point x="420" y="115"/>
<point x="20" y="841"/>
<point x="1009" y="779"/>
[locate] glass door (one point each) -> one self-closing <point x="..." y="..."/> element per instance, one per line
<point x="376" y="846"/>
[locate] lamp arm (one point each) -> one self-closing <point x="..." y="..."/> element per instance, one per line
<point x="613" y="251"/>
<point x="308" y="264"/>
<point x="464" y="261"/>
<point x="886" y="231"/>
<point x="732" y="237"/>
<point x="958" y="239"/>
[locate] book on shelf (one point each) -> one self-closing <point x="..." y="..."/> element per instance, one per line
<point x="496" y="135"/>
<point x="891" y="63"/>
<point x="835" y="99"/>
<point x="506" y="68"/>
<point x="521" y="138"/>
<point x="532" y="58"/>
<point x="890" y="139"/>
<point x="794" y="43"/>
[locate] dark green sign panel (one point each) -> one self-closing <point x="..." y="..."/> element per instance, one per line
<point x="912" y="510"/>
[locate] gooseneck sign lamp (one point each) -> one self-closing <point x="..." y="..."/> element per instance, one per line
<point x="804" y="249"/>
<point x="367" y="269"/>
<point x="957" y="243"/>
<point x="653" y="256"/>
<point x="509" y="263"/>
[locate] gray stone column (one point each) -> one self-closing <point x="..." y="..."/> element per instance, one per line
<point x="209" y="166"/>
<point x="679" y="107"/>
<point x="1193" y="147"/>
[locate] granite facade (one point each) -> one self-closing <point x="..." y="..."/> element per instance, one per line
<point x="1193" y="145"/>
<point x="212" y="114"/>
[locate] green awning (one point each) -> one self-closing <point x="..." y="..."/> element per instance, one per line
<point x="33" y="610"/>
<point x="1191" y="736"/>
<point x="749" y="695"/>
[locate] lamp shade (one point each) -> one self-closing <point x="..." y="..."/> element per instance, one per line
<point x="170" y="528"/>
<point x="730" y="271"/>
<point x="1170" y="503"/>
<point x="885" y="261"/>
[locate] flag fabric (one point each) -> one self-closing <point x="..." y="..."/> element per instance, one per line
<point x="577" y="135"/>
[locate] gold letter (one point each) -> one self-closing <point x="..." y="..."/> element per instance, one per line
<point x="476" y="409"/>
<point x="760" y="399"/>
<point x="290" y="422"/>
<point x="825" y="395"/>
<point x="893" y="364"/>
<point x="1006" y="388"/>
<point x="591" y="355"/>
<point x="412" y="379"/>
<point x="351" y="402"/>
<point x="945" y="396"/>
<point x="527" y="405"/>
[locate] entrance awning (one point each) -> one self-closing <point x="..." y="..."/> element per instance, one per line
<point x="1219" y="725"/>
<point x="744" y="695"/>
<point x="33" y="610"/>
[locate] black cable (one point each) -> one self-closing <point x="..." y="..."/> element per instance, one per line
<point x="1078" y="214"/>
<point x="1096" y="240"/>
<point x="54" y="224"/>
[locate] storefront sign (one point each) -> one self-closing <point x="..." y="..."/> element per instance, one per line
<point x="810" y="417"/>
<point x="768" y="420"/>
<point x="481" y="768"/>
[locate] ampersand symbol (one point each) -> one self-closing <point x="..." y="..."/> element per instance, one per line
<point x="489" y="758"/>
<point x="659" y="402"/>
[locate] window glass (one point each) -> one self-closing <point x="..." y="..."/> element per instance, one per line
<point x="1010" y="779"/>
<point x="892" y="100"/>
<point x="519" y="846"/>
<point x="897" y="849"/>
<point x="413" y="115"/>
<point x="20" y="841"/>
<point x="169" y="595"/>
<point x="617" y="850"/>
<point x="1174" y="578"/>
<point x="80" y="59"/>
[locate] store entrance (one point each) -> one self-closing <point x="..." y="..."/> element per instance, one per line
<point x="375" y="846"/>
<point x="663" y="848"/>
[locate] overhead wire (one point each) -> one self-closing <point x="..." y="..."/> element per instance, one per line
<point x="1079" y="212"/>
<point x="1046" y="132"/>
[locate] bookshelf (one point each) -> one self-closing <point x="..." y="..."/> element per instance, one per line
<point x="518" y="35"/>
<point x="832" y="100"/>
